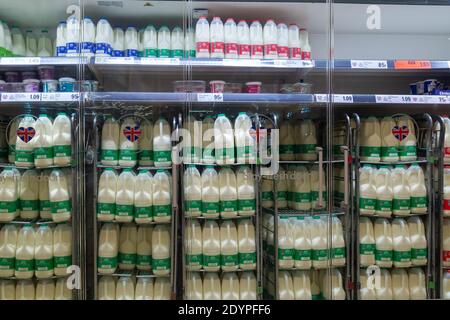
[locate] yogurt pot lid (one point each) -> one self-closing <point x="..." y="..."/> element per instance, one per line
<point x="67" y="79"/>
<point x="217" y="81"/>
<point x="253" y="83"/>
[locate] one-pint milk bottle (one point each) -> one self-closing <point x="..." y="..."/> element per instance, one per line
<point x="366" y="242"/>
<point x="118" y="43"/>
<point x="267" y="198"/>
<point x="407" y="137"/>
<point x="401" y="243"/>
<point x="150" y="42"/>
<point x="108" y="248"/>
<point x="62" y="248"/>
<point x="61" y="290"/>
<point x="223" y="140"/>
<point x="161" y="250"/>
<point x="367" y="190"/>
<point x="45" y="289"/>
<point x="106" y="198"/>
<point x="302" y="244"/>
<point x="62" y="140"/>
<point x="43" y="252"/>
<point x="383" y="182"/>
<point x="337" y="243"/>
<point x="270" y="34"/>
<point x="370" y="137"/>
<point x="7" y="290"/>
<point x="231" y="39"/>
<point x="210" y="192"/>
<point x="302" y="285"/>
<point x="389" y="142"/>
<point x="189" y="43"/>
<point x="144" y="289"/>
<point x="208" y="136"/>
<point x="88" y="45"/>
<point x="228" y="193"/>
<point x="304" y="44"/>
<point x="245" y="144"/>
<point x="110" y="142"/>
<point x="319" y="242"/>
<point x="228" y="246"/>
<point x="287" y="141"/>
<point x="202" y="38"/>
<point x="285" y="286"/>
<point x="245" y="191"/>
<point x="131" y="42"/>
<point x="25" y="290"/>
<point x="230" y="286"/>
<point x="127" y="246"/>
<point x="43" y="145"/>
<point x="177" y="43"/>
<point x="285" y="243"/>
<point x="29" y="195"/>
<point x="8" y="243"/>
<point x="247" y="286"/>
<point x="61" y="33"/>
<point x="446" y="200"/>
<point x="162" y="196"/>
<point x="294" y="42"/>
<point x="256" y="40"/>
<point x="243" y="40"/>
<point x="383" y="243"/>
<point x="104" y="37"/>
<point x="212" y="288"/>
<point x="162" y="146"/>
<point x="416" y="181"/>
<point x="283" y="41"/>
<point x="143" y="197"/>
<point x="402" y="193"/>
<point x="307" y="140"/>
<point x="25" y="142"/>
<point x="282" y="189"/>
<point x="211" y="246"/>
<point x="145" y="143"/>
<point x="418" y="239"/>
<point x="125" y="196"/>
<point x="129" y="136"/>
<point x="192" y="192"/>
<point x="400" y="284"/>
<point x="164" y="42"/>
<point x="8" y="195"/>
<point x="247" y="244"/>
<point x="60" y="201"/>
<point x="24" y="264"/>
<point x="144" y="248"/>
<point x="45" y="209"/>
<point x="125" y="288"/>
<point x="193" y="245"/>
<point x="12" y="138"/>
<point x="106" y="288"/>
<point x="302" y="189"/>
<point x="417" y="284"/>
<point x="315" y="185"/>
<point x="194" y="286"/>
<point x="72" y="37"/>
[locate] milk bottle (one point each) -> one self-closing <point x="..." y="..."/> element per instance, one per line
<point x="367" y="190"/>
<point x="143" y="197"/>
<point x="24" y="142"/>
<point x="366" y="242"/>
<point x="247" y="245"/>
<point x="319" y="242"/>
<point x="282" y="189"/>
<point x="302" y="285"/>
<point x="285" y="243"/>
<point x="314" y="176"/>
<point x="8" y="40"/>
<point x="110" y="142"/>
<point x="62" y="248"/>
<point x="45" y="289"/>
<point x="145" y="143"/>
<point x="230" y="286"/>
<point x="131" y="42"/>
<point x="12" y="137"/>
<point x="408" y="140"/>
<point x="193" y="143"/>
<point x="194" y="286"/>
<point x="316" y="293"/>
<point x="72" y="36"/>
<point x="287" y="141"/>
<point x="306" y="133"/>
<point x="43" y="144"/>
<point x="416" y="181"/>
<point x="256" y="40"/>
<point x="106" y="198"/>
<point x="243" y="40"/>
<point x="164" y="42"/>
<point x="446" y="243"/>
<point x="283" y="41"/>
<point x="106" y="288"/>
<point x="210" y="192"/>
<point x="43" y="252"/>
<point x="446" y="286"/>
<point x="212" y="286"/>
<point x="61" y="35"/>
<point x="127" y="247"/>
<point x="161" y="249"/>
<point x="228" y="193"/>
<point x="108" y="248"/>
<point x="228" y="246"/>
<point x="223" y="140"/>
<point x="370" y="137"/>
<point x="447" y="140"/>
<point x="162" y="289"/>
<point x="446" y="200"/>
<point x="383" y="182"/>
<point x="61" y="290"/>
<point x="231" y="39"/>
<point x="402" y="194"/>
<point x="383" y="243"/>
<point x="31" y="44"/>
<point x="18" y="42"/>
<point x="62" y="140"/>
<point x="29" y="195"/>
<point x="267" y="193"/>
<point x="118" y="43"/>
<point x="418" y="241"/>
<point x="294" y="42"/>
<point x="304" y="44"/>
<point x="189" y="43"/>
<point x="401" y="244"/>
<point x="88" y="45"/>
<point x="245" y="191"/>
<point x="417" y="286"/>
<point x="141" y="42"/>
<point x="162" y="196"/>
<point x="144" y="289"/>
<point x="45" y="209"/>
<point x="144" y="248"/>
<point x="104" y="37"/>
<point x="24" y="263"/>
<point x="285" y="286"/>
<point x="192" y="192"/>
<point x="162" y="146"/>
<point x="400" y="284"/>
<point x="193" y="245"/>
<point x="245" y="144"/>
<point x="332" y="284"/>
<point x="125" y="289"/>
<point x="211" y="246"/>
<point x="60" y="201"/>
<point x="247" y="286"/>
<point x="125" y="196"/>
<point x="150" y="42"/>
<point x="208" y="136"/>
<point x="7" y="290"/>
<point x="389" y="143"/>
<point x="130" y="134"/>
<point x="270" y="34"/>
<point x="302" y="189"/>
<point x="177" y="43"/>
<point x="8" y="242"/>
<point x="302" y="244"/>
<point x="8" y="195"/>
<point x="337" y="243"/>
<point x="25" y="290"/>
<point x="202" y="38"/>
<point x="365" y="293"/>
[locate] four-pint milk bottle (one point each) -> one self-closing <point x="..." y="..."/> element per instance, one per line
<point x="370" y="136"/>
<point x="43" y="252"/>
<point x="193" y="245"/>
<point x="24" y="156"/>
<point x="367" y="190"/>
<point x="210" y="192"/>
<point x="418" y="239"/>
<point x="45" y="210"/>
<point x="108" y="248"/>
<point x="162" y="196"/>
<point x="383" y="182"/>
<point x="128" y="144"/>
<point x="228" y="193"/>
<point x="8" y="244"/>
<point x="228" y="246"/>
<point x="62" y="248"/>
<point x="162" y="146"/>
<point x="408" y="142"/>
<point x="285" y="243"/>
<point x="145" y="142"/>
<point x="60" y="200"/>
<point x="8" y="195"/>
<point x="62" y="140"/>
<point x="366" y="242"/>
<point x="245" y="143"/>
<point x="401" y="243"/>
<point x="389" y="143"/>
<point x="144" y="248"/>
<point x="43" y="145"/>
<point x="247" y="244"/>
<point x="106" y="198"/>
<point x="416" y="180"/>
<point x="211" y="246"/>
<point x="223" y="140"/>
<point x="192" y="192"/>
<point x="246" y="191"/>
<point x="110" y="142"/>
<point x="29" y="195"/>
<point x="383" y="243"/>
<point x="161" y="250"/>
<point x="402" y="193"/>
<point x="302" y="244"/>
<point x="125" y="196"/>
<point x="143" y="197"/>
<point x="127" y="246"/>
<point x="24" y="264"/>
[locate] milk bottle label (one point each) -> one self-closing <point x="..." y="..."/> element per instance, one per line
<point x="127" y="258"/>
<point x="162" y="156"/>
<point x="228" y="206"/>
<point x="8" y="207"/>
<point x="150" y="52"/>
<point x="245" y="152"/>
<point x="106" y="208"/>
<point x="306" y="55"/>
<point x="132" y="134"/>
<point x="389" y="151"/>
<point x="145" y="155"/>
<point x="203" y="47"/>
<point x="287" y="149"/>
<point x="383" y="255"/>
<point x="446" y="255"/>
<point x="244" y="49"/>
<point x="286" y="254"/>
<point x="72" y="47"/>
<point x="143" y="212"/>
<point x="211" y="261"/>
<point x="62" y="262"/>
<point x="295" y="53"/>
<point x="7" y="263"/>
<point x="302" y="255"/>
<point x="338" y="253"/>
<point x="103" y="49"/>
<point x="109" y="155"/>
<point x="161" y="210"/>
<point x="231" y="48"/>
<point x="61" y="51"/>
<point x="384" y="205"/>
<point x="29" y="205"/>
<point x="305" y="148"/>
<point x="367" y="203"/>
<point x="60" y="206"/>
<point x="87" y="47"/>
<point x="402" y="256"/>
<point x="247" y="258"/>
<point x="194" y="260"/>
<point x="246" y="205"/>
<point x="107" y="262"/>
<point x="370" y="151"/>
<point x="208" y="155"/>
<point x="62" y="151"/>
<point x="367" y="249"/>
<point x="193" y="206"/>
<point x="143" y="260"/>
<point x="24" y="265"/>
<point x="229" y="260"/>
<point x="302" y="197"/>
<point x="124" y="210"/>
<point x="320" y="254"/>
<point x="210" y="207"/>
<point x="267" y="196"/>
<point x="283" y="51"/>
<point x="401" y="204"/>
<point x="419" y="202"/>
<point x="419" y="254"/>
<point x="217" y="47"/>
<point x="44" y="264"/>
<point x="446" y="204"/>
<point x="161" y="264"/>
<point x="257" y="50"/>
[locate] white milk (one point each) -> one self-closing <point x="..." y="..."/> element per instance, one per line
<point x="25" y="290"/>
<point x="283" y="41"/>
<point x="366" y="242"/>
<point x="62" y="248"/>
<point x="408" y="145"/>
<point x="389" y="143"/>
<point x="110" y="142"/>
<point x="230" y="286"/>
<point x="304" y="44"/>
<point x="104" y="38"/>
<point x="43" y="145"/>
<point x="193" y="245"/>
<point x="7" y="290"/>
<point x="302" y="189"/>
<point x="162" y="196"/>
<point x="282" y="189"/>
<point x="416" y="181"/>
<point x="192" y="192"/>
<point x="145" y="143"/>
<point x="164" y="42"/>
<point x="314" y="176"/>
<point x="367" y="190"/>
<point x="247" y="244"/>
<point x="61" y="290"/>
<point x="287" y="141"/>
<point x="9" y="185"/>
<point x="202" y="38"/>
<point x="245" y="143"/>
<point x="370" y="139"/>
<point x="267" y="193"/>
<point x="45" y="209"/>
<point x="45" y="289"/>
<point x="192" y="144"/>
<point x="130" y="133"/>
<point x="446" y="243"/>
<point x="29" y="195"/>
<point x="365" y="293"/>
<point x="211" y="246"/>
<point x="402" y="193"/>
<point x="247" y="286"/>
<point x="208" y="136"/>
<point x="446" y="196"/>
<point x="256" y="40"/>
<point x="302" y="244"/>
<point x="144" y="289"/>
<point x="316" y="293"/>
<point x="385" y="195"/>
<point x="417" y="284"/>
<point x="161" y="248"/>
<point x="245" y="191"/>
<point x="177" y="43"/>
<point x="302" y="285"/>
<point x="162" y="289"/>
<point x="106" y="197"/>
<point x="285" y="286"/>
<point x="31" y="42"/>
<point x="106" y="288"/>
<point x="150" y="42"/>
<point x="24" y="264"/>
<point x="162" y="146"/>
<point x="229" y="246"/>
<point x="294" y="42"/>
<point x="125" y="196"/>
<point x="189" y="43"/>
<point x="88" y="45"/>
<point x="25" y="142"/>
<point x="143" y="197"/>
<point x="243" y="40"/>
<point x="131" y="42"/>
<point x="60" y="200"/>
<point x="306" y="133"/>
<point x="223" y="140"/>
<point x="43" y="252"/>
<point x="62" y="140"/>
<point x="319" y="242"/>
<point x="418" y="239"/>
<point x="108" y="248"/>
<point x="400" y="284"/>
<point x="194" y="286"/>
<point x="127" y="246"/>
<point x="12" y="137"/>
<point x="212" y="289"/>
<point x="8" y="243"/>
<point x="401" y="243"/>
<point x="337" y="243"/>
<point x="61" y="34"/>
<point x="118" y="43"/>
<point x="231" y="39"/>
<point x="228" y="193"/>
<point x="333" y="285"/>
<point x="446" y="286"/>
<point x="285" y="243"/>
<point x="270" y="35"/>
<point x="125" y="288"/>
<point x="18" y="42"/>
<point x="210" y="192"/>
<point x="73" y="36"/>
<point x="383" y="243"/>
<point x="144" y="248"/>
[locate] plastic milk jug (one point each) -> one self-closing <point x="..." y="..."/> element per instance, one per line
<point x="25" y="290"/>
<point x="7" y="290"/>
<point x="45" y="289"/>
<point x="366" y="242"/>
<point x="402" y="193"/>
<point x="367" y="190"/>
<point x="228" y="246"/>
<point x="118" y="43"/>
<point x="61" y="290"/>
<point x="43" y="152"/>
<point x="243" y="40"/>
<point x="282" y="189"/>
<point x="401" y="243"/>
<point x="144" y="289"/>
<point x="389" y="142"/>
<point x="162" y="196"/>
<point x="144" y="248"/>
<point x="302" y="244"/>
<point x="416" y="180"/>
<point x="127" y="246"/>
<point x="246" y="191"/>
<point x="62" y="140"/>
<point x="332" y="285"/>
<point x="417" y="284"/>
<point x="270" y="35"/>
<point x="370" y="137"/>
<point x="193" y="245"/>
<point x="43" y="252"/>
<point x="383" y="243"/>
<point x="192" y="145"/>
<point x="104" y="38"/>
<point x="217" y="38"/>
<point x="256" y="40"/>
<point x="62" y="248"/>
<point x="161" y="250"/>
<point x="319" y="242"/>
<point x="61" y="34"/>
<point x="125" y="288"/>
<point x="12" y="137"/>
<point x="8" y="195"/>
<point x="223" y="140"/>
<point x="446" y="204"/>
<point x="302" y="285"/>
<point x="145" y="143"/>
<point x="304" y="44"/>
<point x="446" y="243"/>
<point x="306" y="148"/>
<point x="192" y="192"/>
<point x="247" y="286"/>
<point x="143" y="197"/>
<point x="365" y="293"/>
<point x="231" y="39"/>
<point x="150" y="42"/>
<point x="383" y="182"/>
<point x="446" y="286"/>
<point x="194" y="286"/>
<point x="211" y="246"/>
<point x="210" y="192"/>
<point x="31" y="43"/>
<point x="125" y="196"/>
<point x="131" y="42"/>
<point x="337" y="243"/>
<point x="25" y="142"/>
<point x="302" y="189"/>
<point x="285" y="243"/>
<point x="129" y="136"/>
<point x="45" y="210"/>
<point x="245" y="143"/>
<point x="408" y="140"/>
<point x="164" y="42"/>
<point x="177" y="43"/>
<point x="189" y="43"/>
<point x="282" y="41"/>
<point x="287" y="141"/>
<point x="108" y="248"/>
<point x="400" y="284"/>
<point x="106" y="288"/>
<point x="247" y="244"/>
<point x="208" y="136"/>
<point x="418" y="239"/>
<point x="212" y="289"/>
<point x="18" y="42"/>
<point x="24" y="264"/>
<point x="60" y="200"/>
<point x="88" y="45"/>
<point x="45" y="48"/>
<point x="228" y="193"/>
<point x="230" y="286"/>
<point x="110" y="142"/>
<point x="267" y="193"/>
<point x="29" y="195"/>
<point x="162" y="146"/>
<point x="106" y="198"/>
<point x="202" y="38"/>
<point x="294" y="42"/>
<point x="8" y="243"/>
<point x="285" y="286"/>
<point x="162" y="289"/>
<point x="72" y="38"/>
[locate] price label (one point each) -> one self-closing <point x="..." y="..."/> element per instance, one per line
<point x="241" y="62"/>
<point x="369" y="64"/>
<point x="60" y="96"/>
<point x="398" y="99"/>
<point x="412" y="64"/>
<point x="20" y="60"/>
<point x="342" y="98"/>
<point x="209" y="97"/>
<point x="160" y="61"/>
<point x="115" y="60"/>
<point x="289" y="63"/>
<point x="433" y="99"/>
<point x="21" y="97"/>
<point x="321" y="98"/>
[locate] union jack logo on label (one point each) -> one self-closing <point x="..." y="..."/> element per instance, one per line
<point x="132" y="133"/>
<point x="400" y="133"/>
<point x="26" y="134"/>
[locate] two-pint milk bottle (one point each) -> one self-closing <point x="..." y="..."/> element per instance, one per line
<point x="446" y="200"/>
<point x="283" y="41"/>
<point x="88" y="44"/>
<point x="62" y="140"/>
<point x="118" y="43"/>
<point x="202" y="38"/>
<point x="150" y="42"/>
<point x="60" y="200"/>
<point x="211" y="246"/>
<point x="131" y="42"/>
<point x="161" y="250"/>
<point x="104" y="38"/>
<point x="164" y="42"/>
<point x="125" y="196"/>
<point x="110" y="142"/>
<point x="106" y="198"/>
<point x="192" y="192"/>
<point x="247" y="244"/>
<point x="294" y="42"/>
<point x="144" y="247"/>
<point x="228" y="193"/>
<point x="217" y="38"/>
<point x="43" y="145"/>
<point x="143" y="197"/>
<point x="256" y="40"/>
<point x="243" y="40"/>
<point x="177" y="43"/>
<point x="270" y="35"/>
<point x="231" y="39"/>
<point x="162" y="196"/>
<point x="210" y="192"/>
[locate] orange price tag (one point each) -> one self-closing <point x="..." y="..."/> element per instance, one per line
<point x="412" y="64"/>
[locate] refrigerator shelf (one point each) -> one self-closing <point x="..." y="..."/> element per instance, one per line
<point x="394" y="216"/>
<point x="131" y="273"/>
<point x="134" y="222"/>
<point x="419" y="160"/>
<point x="12" y="165"/>
<point x="220" y="218"/>
<point x="298" y="213"/>
<point x="102" y="166"/>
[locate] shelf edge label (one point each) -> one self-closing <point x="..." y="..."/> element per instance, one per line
<point x="369" y="64"/>
<point x="412" y="64"/>
<point x="20" y="60"/>
<point x="209" y="97"/>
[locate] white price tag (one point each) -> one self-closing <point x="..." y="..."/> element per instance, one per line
<point x="21" y="97"/>
<point x="369" y="64"/>
<point x="400" y="99"/>
<point x="160" y="61"/>
<point x="293" y="63"/>
<point x="209" y="97"/>
<point x="241" y="62"/>
<point x="20" y="60"/>
<point x="115" y="60"/>
<point x="60" y="96"/>
<point x="433" y="99"/>
<point x="342" y="98"/>
<point x="321" y="97"/>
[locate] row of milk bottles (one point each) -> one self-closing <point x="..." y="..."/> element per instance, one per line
<point x="389" y="139"/>
<point x="14" y="43"/>
<point x="128" y="197"/>
<point x="231" y="40"/>
<point x="131" y="288"/>
<point x="128" y="247"/>
<point x="228" y="287"/>
<point x="31" y="195"/>
<point x="42" y="251"/>
<point x="395" y="284"/>
<point x="226" y="193"/>
<point x="400" y="243"/>
<point x="45" y="289"/>
<point x="298" y="140"/>
<point x="297" y="188"/>
<point x="226" y="246"/>
<point x="131" y="142"/>
<point x="50" y="145"/>
<point x="398" y="191"/>
<point x="310" y="285"/>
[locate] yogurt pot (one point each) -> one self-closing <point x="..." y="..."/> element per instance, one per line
<point x="28" y="75"/>
<point x="50" y="85"/>
<point x="46" y="72"/>
<point x="430" y="85"/>
<point x="217" y="86"/>
<point x="12" y="76"/>
<point x="232" y="87"/>
<point x="253" y="87"/>
<point x="67" y="85"/>
<point x="31" y="85"/>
